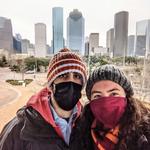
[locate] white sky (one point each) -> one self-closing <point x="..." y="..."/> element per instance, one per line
<point x="98" y="14"/>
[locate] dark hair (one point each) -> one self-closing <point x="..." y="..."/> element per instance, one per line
<point x="86" y="120"/>
<point x="136" y="116"/>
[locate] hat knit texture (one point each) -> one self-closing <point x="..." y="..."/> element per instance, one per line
<point x="63" y="62"/>
<point x="112" y="73"/>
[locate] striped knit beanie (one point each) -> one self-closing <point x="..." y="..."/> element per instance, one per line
<point x="112" y="73"/>
<point x="66" y="61"/>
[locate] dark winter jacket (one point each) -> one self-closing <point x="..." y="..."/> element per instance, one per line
<point x="137" y="139"/>
<point x="34" y="128"/>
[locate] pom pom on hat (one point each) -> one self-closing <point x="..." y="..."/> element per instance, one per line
<point x="65" y="50"/>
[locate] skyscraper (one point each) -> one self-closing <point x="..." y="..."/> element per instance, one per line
<point x="130" y="51"/>
<point x="86" y="53"/>
<point x="57" y="28"/>
<point x="93" y="42"/>
<point x="17" y="43"/>
<point x="110" y="41"/>
<point x="142" y="39"/>
<point x="75" y="31"/>
<point x="40" y="40"/>
<point x="6" y="36"/>
<point x="25" y="46"/>
<point x="148" y="39"/>
<point x="120" y="33"/>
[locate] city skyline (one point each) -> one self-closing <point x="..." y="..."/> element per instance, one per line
<point x="24" y="14"/>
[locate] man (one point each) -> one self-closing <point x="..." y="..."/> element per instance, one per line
<point x="48" y="120"/>
<point x="113" y="119"/>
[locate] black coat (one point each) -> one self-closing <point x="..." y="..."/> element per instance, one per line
<point x="29" y="131"/>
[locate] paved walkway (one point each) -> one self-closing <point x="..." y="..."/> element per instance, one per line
<point x="17" y="99"/>
<point x="7" y="95"/>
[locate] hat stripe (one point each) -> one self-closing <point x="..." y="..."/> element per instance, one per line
<point x="65" y="65"/>
<point x="67" y="68"/>
<point x="61" y="56"/>
<point x="60" y="62"/>
<point x="67" y="71"/>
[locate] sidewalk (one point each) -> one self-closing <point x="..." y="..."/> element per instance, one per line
<point x="8" y="111"/>
<point x="7" y="95"/>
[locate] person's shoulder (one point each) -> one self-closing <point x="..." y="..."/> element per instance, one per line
<point x="10" y="131"/>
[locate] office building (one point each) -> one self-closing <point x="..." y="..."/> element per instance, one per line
<point x="130" y="51"/>
<point x="75" y="32"/>
<point x="17" y="43"/>
<point x="93" y="42"/>
<point x="120" y="34"/>
<point x="110" y="41"/>
<point x="6" y="36"/>
<point x="24" y="46"/>
<point x="57" y="29"/>
<point x="86" y="46"/>
<point x="142" y="39"/>
<point x="40" y="40"/>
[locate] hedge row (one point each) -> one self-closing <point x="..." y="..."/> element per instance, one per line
<point x="17" y="82"/>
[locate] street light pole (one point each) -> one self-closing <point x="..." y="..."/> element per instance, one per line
<point x="143" y="79"/>
<point x="36" y="67"/>
<point x="124" y="56"/>
<point x="89" y="60"/>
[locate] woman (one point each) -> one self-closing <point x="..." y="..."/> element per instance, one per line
<point x="113" y="119"/>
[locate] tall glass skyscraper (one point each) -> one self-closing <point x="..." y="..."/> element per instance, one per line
<point x="57" y="28"/>
<point x="120" y="34"/>
<point x="75" y="31"/>
<point x="17" y="43"/>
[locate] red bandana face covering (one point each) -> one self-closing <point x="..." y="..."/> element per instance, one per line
<point x="108" y="110"/>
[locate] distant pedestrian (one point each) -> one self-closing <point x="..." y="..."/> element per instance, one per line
<point x="48" y="121"/>
<point x="113" y="119"/>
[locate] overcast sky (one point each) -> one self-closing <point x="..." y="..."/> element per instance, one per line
<point x="98" y="14"/>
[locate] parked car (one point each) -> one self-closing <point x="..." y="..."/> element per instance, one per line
<point x="30" y="72"/>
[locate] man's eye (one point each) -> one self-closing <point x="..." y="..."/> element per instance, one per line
<point x="77" y="76"/>
<point x="63" y="76"/>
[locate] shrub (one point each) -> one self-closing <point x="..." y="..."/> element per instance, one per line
<point x="17" y="82"/>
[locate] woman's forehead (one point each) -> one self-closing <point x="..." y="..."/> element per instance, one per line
<point x="106" y="85"/>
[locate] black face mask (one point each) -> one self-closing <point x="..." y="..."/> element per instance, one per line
<point x="67" y="94"/>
